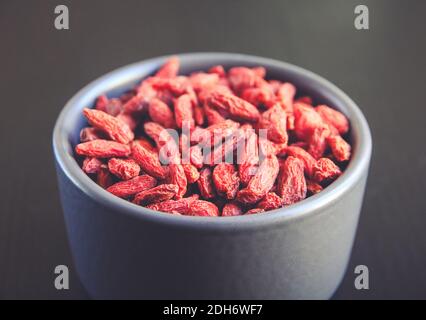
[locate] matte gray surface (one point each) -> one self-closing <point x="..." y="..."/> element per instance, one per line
<point x="381" y="69"/>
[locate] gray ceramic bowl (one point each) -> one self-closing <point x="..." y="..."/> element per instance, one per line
<point x="122" y="250"/>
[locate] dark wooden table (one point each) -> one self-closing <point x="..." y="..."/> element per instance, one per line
<point x="382" y="69"/>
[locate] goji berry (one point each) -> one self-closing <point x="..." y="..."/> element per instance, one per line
<point x="115" y="128"/>
<point x="102" y="149"/>
<point x="325" y="170"/>
<point x="161" y="113"/>
<point x="340" y="148"/>
<point x="291" y="184"/>
<point x="231" y="209"/>
<point x="226" y="180"/>
<point x="124" y="189"/>
<point x="205" y="184"/>
<point x="261" y="182"/>
<point x="148" y="161"/>
<point x="91" y="165"/>
<point x="159" y="193"/>
<point x="125" y="169"/>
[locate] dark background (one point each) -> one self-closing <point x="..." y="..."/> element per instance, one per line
<point x="382" y="69"/>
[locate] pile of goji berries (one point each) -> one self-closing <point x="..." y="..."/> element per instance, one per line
<point x="235" y="143"/>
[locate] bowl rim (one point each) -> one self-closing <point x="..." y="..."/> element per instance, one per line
<point x="315" y="204"/>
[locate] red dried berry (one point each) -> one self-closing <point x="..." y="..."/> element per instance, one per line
<point x="148" y="161"/>
<point x="203" y="208"/>
<point x="249" y="159"/>
<point x="159" y="193"/>
<point x="124" y="189"/>
<point x="274" y="121"/>
<point x="226" y="180"/>
<point x="241" y="78"/>
<point x="325" y="170"/>
<point x="161" y="113"/>
<point x="91" y="165"/>
<point x="291" y="183"/>
<point x="333" y="118"/>
<point x="270" y="202"/>
<point x="231" y="209"/>
<point x="115" y="128"/>
<point x="177" y="176"/>
<point x="191" y="173"/>
<point x="313" y="187"/>
<point x="183" y="112"/>
<point x="306" y="121"/>
<point x="102" y="149"/>
<point x="339" y="147"/>
<point x="201" y="80"/>
<point x="205" y="184"/>
<point x="255" y="210"/>
<point x="219" y="70"/>
<point x="302" y="154"/>
<point x="90" y="134"/>
<point x="125" y="169"/>
<point x="261" y="182"/>
<point x="196" y="156"/>
<point x="285" y="96"/>
<point x="237" y="108"/>
<point x="318" y="142"/>
<point x="104" y="177"/>
<point x="170" y="68"/>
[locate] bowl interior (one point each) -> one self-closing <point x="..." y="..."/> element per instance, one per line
<point x="71" y="121"/>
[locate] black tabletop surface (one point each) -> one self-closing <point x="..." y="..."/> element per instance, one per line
<point x="382" y="69"/>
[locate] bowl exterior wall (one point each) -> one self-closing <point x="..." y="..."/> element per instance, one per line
<point x="119" y="256"/>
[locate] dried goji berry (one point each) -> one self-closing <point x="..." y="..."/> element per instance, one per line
<point x="302" y="154"/>
<point x="170" y="69"/>
<point x="226" y="180"/>
<point x="318" y="142"/>
<point x="306" y="121"/>
<point x="102" y="149"/>
<point x="238" y="108"/>
<point x="177" y="176"/>
<point x="191" y="173"/>
<point x="205" y="184"/>
<point x="183" y="112"/>
<point x="340" y="148"/>
<point x="270" y="202"/>
<point x="148" y="161"/>
<point x="231" y="209"/>
<point x="157" y="194"/>
<point x="333" y="118"/>
<point x="274" y="120"/>
<point x="115" y="128"/>
<point x="313" y="187"/>
<point x="291" y="184"/>
<point x="203" y="208"/>
<point x="255" y="210"/>
<point x="125" y="169"/>
<point x="325" y="170"/>
<point x="219" y="70"/>
<point x="104" y="177"/>
<point x="161" y="113"/>
<point x="90" y="133"/>
<point x="130" y="187"/>
<point x="241" y="78"/>
<point x="91" y="165"/>
<point x="201" y="80"/>
<point x="261" y="182"/>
